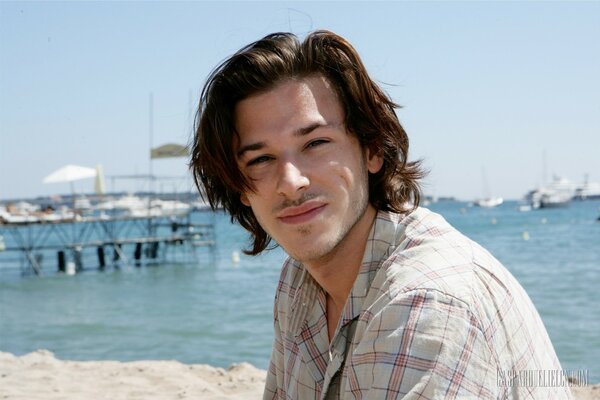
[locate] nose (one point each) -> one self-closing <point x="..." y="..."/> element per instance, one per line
<point x="291" y="180"/>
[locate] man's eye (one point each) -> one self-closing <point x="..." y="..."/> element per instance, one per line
<point x="259" y="160"/>
<point x="317" y="142"/>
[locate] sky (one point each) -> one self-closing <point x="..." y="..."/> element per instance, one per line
<point x="496" y="95"/>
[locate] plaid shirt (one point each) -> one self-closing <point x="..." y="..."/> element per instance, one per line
<point x="431" y="315"/>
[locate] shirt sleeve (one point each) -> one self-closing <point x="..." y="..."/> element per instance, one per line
<point x="421" y="344"/>
<point x="275" y="372"/>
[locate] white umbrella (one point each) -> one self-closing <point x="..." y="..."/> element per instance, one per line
<point x="70" y="173"/>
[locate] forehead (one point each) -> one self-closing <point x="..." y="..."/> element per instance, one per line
<point x="290" y="105"/>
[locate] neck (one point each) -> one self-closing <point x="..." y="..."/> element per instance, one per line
<point x="337" y="272"/>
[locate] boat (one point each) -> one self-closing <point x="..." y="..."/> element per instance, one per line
<point x="24" y="213"/>
<point x="557" y="193"/>
<point x="123" y="205"/>
<point x="82" y="203"/>
<point x="489" y="202"/>
<point x="554" y="199"/>
<point x="134" y="206"/>
<point x="588" y="190"/>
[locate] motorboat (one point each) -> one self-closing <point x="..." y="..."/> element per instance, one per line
<point x="587" y="191"/>
<point x="557" y="193"/>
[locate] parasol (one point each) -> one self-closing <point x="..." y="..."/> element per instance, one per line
<point x="70" y="173"/>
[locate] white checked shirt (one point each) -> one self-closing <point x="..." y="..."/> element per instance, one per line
<point x="431" y="315"/>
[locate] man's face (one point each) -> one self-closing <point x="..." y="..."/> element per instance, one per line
<point x="310" y="175"/>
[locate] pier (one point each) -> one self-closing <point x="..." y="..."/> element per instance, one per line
<point x="76" y="244"/>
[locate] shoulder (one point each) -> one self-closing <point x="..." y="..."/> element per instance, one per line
<point x="447" y="271"/>
<point x="421" y="310"/>
<point x="430" y="254"/>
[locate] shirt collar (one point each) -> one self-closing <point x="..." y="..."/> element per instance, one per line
<point x="382" y="238"/>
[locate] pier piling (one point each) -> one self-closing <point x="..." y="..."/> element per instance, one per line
<point x="137" y="255"/>
<point x="77" y="243"/>
<point x="101" y="258"/>
<point x="61" y="261"/>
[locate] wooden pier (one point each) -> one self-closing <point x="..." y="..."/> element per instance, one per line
<point x="97" y="242"/>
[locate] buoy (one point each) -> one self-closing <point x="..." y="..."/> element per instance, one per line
<point x="525" y="235"/>
<point x="544" y="220"/>
<point x="235" y="257"/>
<point x="494" y="221"/>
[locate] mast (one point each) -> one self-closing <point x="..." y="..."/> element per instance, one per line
<point x="151" y="177"/>
<point x="544" y="169"/>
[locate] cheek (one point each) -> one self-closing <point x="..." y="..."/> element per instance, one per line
<point x="347" y="175"/>
<point x="257" y="203"/>
<point x="259" y="193"/>
<point x="261" y="212"/>
<point x="353" y="172"/>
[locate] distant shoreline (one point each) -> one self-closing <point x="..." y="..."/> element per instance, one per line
<point x="40" y="375"/>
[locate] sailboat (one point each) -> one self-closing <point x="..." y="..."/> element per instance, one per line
<point x="487" y="201"/>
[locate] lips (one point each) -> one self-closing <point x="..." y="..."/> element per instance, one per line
<point x="302" y="213"/>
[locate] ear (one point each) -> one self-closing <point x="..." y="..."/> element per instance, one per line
<point x="374" y="161"/>
<point x="244" y="200"/>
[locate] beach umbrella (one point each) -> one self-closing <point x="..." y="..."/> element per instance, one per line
<point x="70" y="173"/>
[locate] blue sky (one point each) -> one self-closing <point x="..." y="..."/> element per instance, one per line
<point x="484" y="85"/>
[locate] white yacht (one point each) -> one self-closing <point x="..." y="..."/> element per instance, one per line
<point x="557" y="193"/>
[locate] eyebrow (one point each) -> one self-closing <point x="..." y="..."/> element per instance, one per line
<point x="299" y="132"/>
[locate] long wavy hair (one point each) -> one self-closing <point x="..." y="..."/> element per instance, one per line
<point x="259" y="67"/>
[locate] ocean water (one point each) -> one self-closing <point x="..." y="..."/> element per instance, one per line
<point x="219" y="312"/>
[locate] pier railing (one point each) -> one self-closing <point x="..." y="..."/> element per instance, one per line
<point x="97" y="242"/>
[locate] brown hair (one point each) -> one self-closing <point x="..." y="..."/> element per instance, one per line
<point x="258" y="67"/>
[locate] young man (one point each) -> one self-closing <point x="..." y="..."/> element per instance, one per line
<point x="379" y="298"/>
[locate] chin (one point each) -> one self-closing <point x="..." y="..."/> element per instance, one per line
<point x="310" y="252"/>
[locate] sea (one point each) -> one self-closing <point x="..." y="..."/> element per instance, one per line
<point x="217" y="308"/>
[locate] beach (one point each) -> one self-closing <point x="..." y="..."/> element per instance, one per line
<point x="40" y="375"/>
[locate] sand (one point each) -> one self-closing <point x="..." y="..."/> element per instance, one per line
<point x="40" y="375"/>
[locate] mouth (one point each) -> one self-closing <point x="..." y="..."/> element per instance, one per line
<point x="302" y="213"/>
